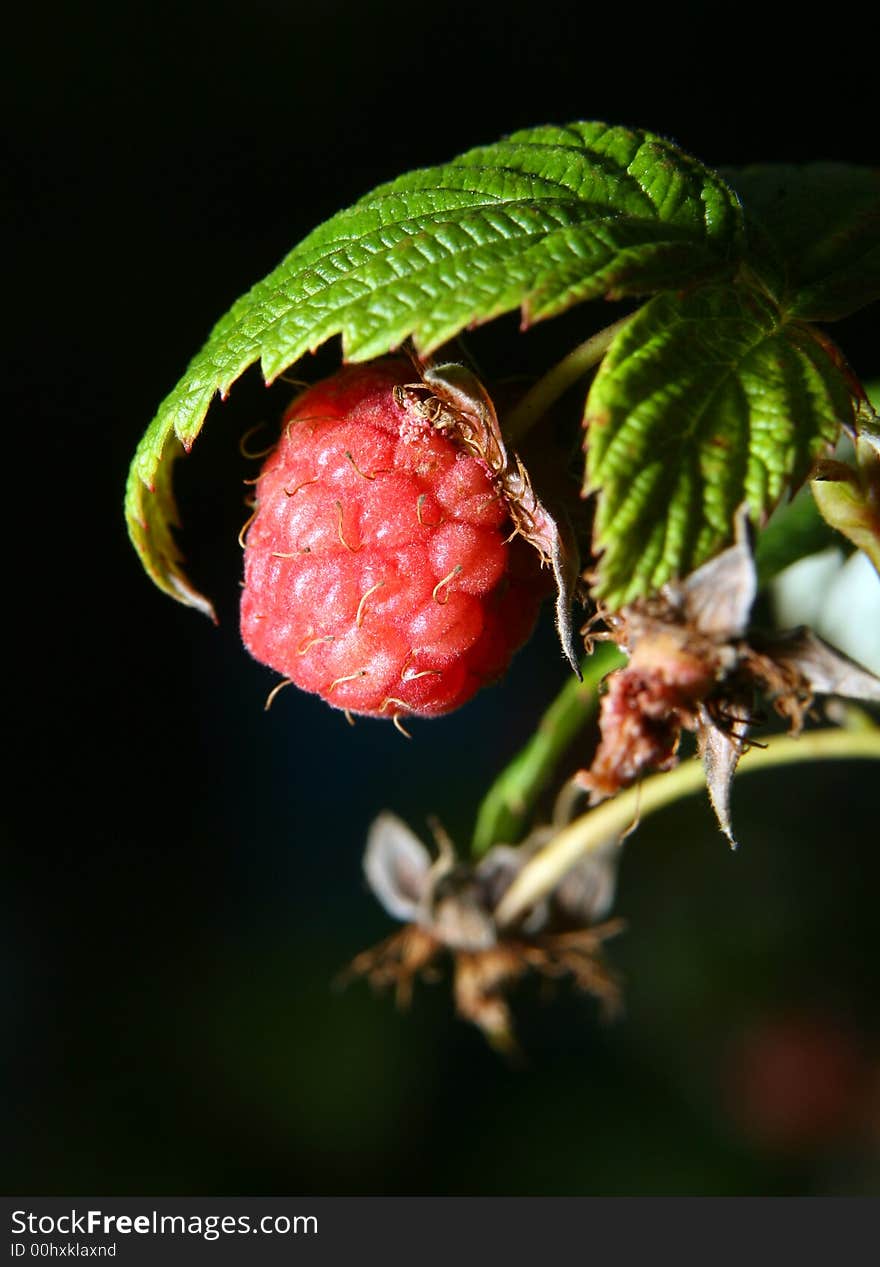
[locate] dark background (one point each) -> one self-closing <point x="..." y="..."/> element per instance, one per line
<point x="181" y="870"/>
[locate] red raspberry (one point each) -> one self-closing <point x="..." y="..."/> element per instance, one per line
<point x="377" y="568"/>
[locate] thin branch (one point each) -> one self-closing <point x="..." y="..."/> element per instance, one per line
<point x="593" y="829"/>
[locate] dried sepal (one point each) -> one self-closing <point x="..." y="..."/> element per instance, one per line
<point x="693" y="666"/>
<point x="453" y="400"/>
<point x="717" y="598"/>
<point x="481" y="979"/>
<point x="451" y="907"/>
<point x="585" y="894"/>
<point x="397" y="867"/>
<point x="444" y="897"/>
<point x="720" y="750"/>
<point x="396" y="962"/>
<point x="823" y="669"/>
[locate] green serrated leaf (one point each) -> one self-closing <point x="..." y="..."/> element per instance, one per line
<point x="542" y="220"/>
<point x="152" y="516"/>
<point x="704" y="401"/>
<point x="816" y="234"/>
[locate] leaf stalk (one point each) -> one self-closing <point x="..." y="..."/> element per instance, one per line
<point x="511" y="798"/>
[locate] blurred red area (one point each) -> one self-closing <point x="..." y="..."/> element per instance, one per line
<point x="802" y="1083"/>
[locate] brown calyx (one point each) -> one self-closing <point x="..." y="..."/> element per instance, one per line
<point x="648" y="704"/>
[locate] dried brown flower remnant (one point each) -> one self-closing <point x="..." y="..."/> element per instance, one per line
<point x="481" y="978"/>
<point x="679" y="644"/>
<point x="645" y="708"/>
<point x="449" y="907"/>
<point x="693" y="667"/>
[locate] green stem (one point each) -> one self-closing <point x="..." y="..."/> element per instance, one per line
<point x="557" y="381"/>
<point x="595" y="828"/>
<point x="513" y="795"/>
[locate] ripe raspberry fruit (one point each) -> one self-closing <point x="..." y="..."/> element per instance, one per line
<point x="378" y="573"/>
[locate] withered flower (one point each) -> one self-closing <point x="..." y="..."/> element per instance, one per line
<point x="448" y="907"/>
<point x="693" y="666"/>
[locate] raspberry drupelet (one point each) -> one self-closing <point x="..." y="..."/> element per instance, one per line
<point x="378" y="570"/>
